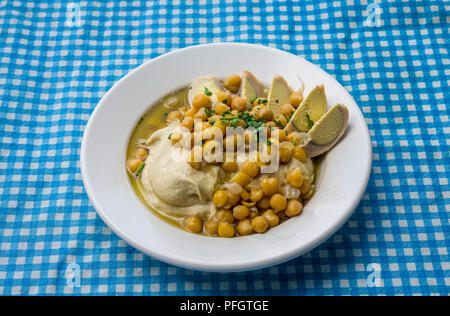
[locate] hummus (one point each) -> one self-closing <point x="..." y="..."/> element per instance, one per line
<point x="170" y="185"/>
<point x="174" y="189"/>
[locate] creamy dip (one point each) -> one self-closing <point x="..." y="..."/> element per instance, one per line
<point x="171" y="186"/>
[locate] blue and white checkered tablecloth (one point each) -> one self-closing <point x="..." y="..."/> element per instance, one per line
<point x="57" y="59"/>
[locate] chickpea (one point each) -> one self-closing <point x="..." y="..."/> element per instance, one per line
<point x="269" y="186"/>
<point x="240" y="212"/>
<point x="140" y="153"/>
<point x="229" y="166"/>
<point x="253" y="213"/>
<point x="190" y="113"/>
<point x="225" y="230"/>
<point x="225" y="216"/>
<point x="175" y="115"/>
<point x="188" y="122"/>
<point x="291" y="136"/>
<point x="285" y="154"/>
<point x="304" y="189"/>
<point x="133" y="164"/>
<point x="299" y="154"/>
<point x="218" y="124"/>
<point x="219" y="108"/>
<point x="244" y="195"/>
<point x="248" y="203"/>
<point x="293" y="208"/>
<point x="295" y="99"/>
<point x="264" y="203"/>
<point x="211" y="227"/>
<point x="239" y="104"/>
<point x="260" y="224"/>
<point x="251" y="168"/>
<point x="232" y="199"/>
<point x="278" y="133"/>
<point x="201" y="101"/>
<point x="310" y="193"/>
<point x="220" y="198"/>
<point x="242" y="179"/>
<point x="265" y="113"/>
<point x="244" y="227"/>
<point x="295" y="178"/>
<point x="193" y="223"/>
<point x="278" y="202"/>
<point x="233" y="83"/>
<point x="259" y="102"/>
<point x="271" y="125"/>
<point x="256" y="195"/>
<point x="281" y="119"/>
<point x="224" y="97"/>
<point x="176" y="137"/>
<point x="271" y="218"/>
<point x="287" y="109"/>
<point x="201" y="115"/>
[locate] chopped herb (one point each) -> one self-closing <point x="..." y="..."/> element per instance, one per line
<point x="264" y="101"/>
<point x="140" y="120"/>
<point x="234" y="122"/>
<point x="225" y="101"/>
<point x="166" y="114"/>
<point x="287" y="117"/>
<point x="310" y="122"/>
<point x="226" y="112"/>
<point x="286" y="133"/>
<point x="139" y="170"/>
<point x="170" y="136"/>
<point x="279" y="123"/>
<point x="295" y="143"/>
<point x="211" y="122"/>
<point x="209" y="112"/>
<point x="253" y="100"/>
<point x="269" y="142"/>
<point x="207" y="92"/>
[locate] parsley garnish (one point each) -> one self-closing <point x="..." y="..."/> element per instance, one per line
<point x="209" y="112"/>
<point x="253" y="100"/>
<point x="310" y="122"/>
<point x="211" y="122"/>
<point x="263" y="101"/>
<point x="279" y="123"/>
<point x="170" y="135"/>
<point x="207" y="92"/>
<point x="269" y="142"/>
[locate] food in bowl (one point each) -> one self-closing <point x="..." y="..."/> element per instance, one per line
<point x="232" y="157"/>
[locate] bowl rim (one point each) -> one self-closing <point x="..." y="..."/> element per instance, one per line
<point x="245" y="266"/>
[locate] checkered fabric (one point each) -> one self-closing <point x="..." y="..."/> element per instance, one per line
<point x="57" y="59"/>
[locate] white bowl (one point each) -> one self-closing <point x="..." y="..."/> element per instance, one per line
<point x="342" y="180"/>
